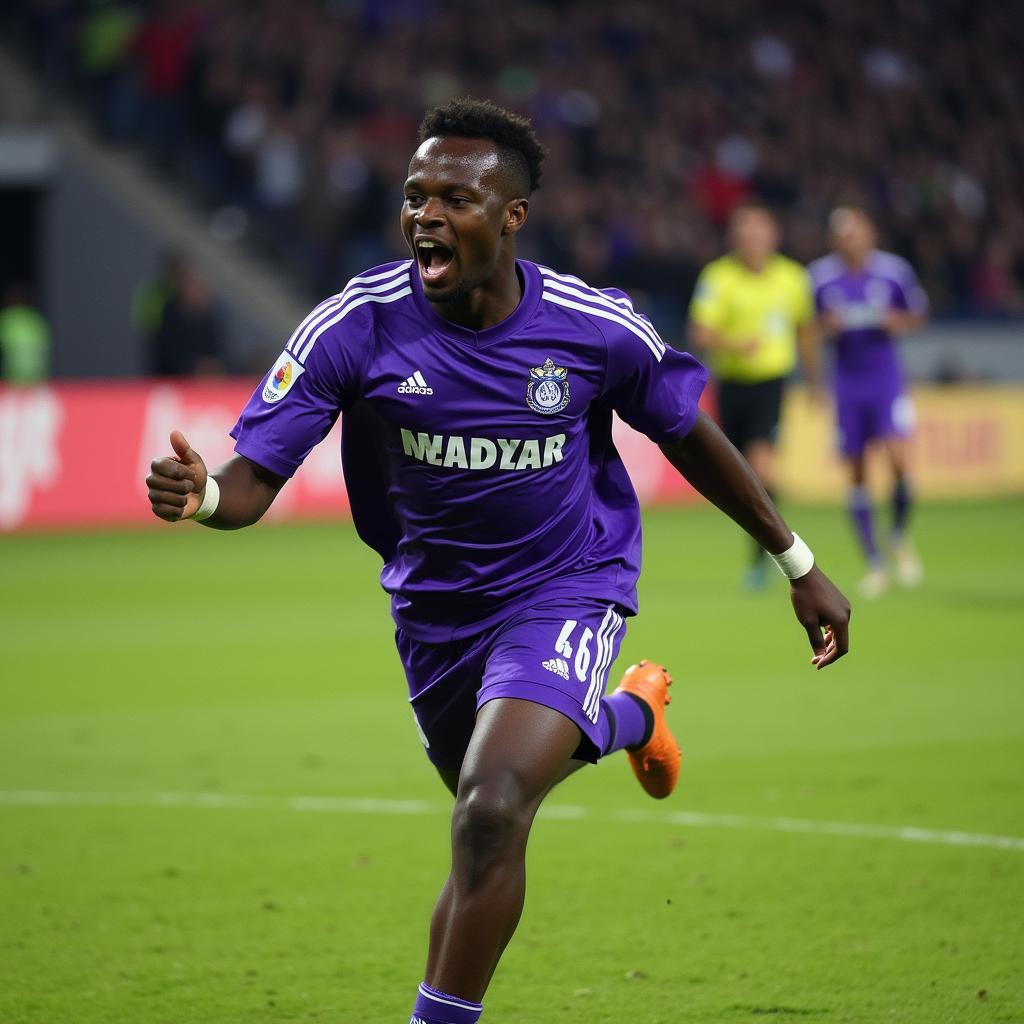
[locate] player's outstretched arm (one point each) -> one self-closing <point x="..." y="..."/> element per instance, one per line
<point x="178" y="485"/>
<point x="706" y="338"/>
<point x="808" y="339"/>
<point x="719" y="472"/>
<point x="904" y="321"/>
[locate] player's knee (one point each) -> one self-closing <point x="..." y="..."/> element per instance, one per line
<point x="489" y="822"/>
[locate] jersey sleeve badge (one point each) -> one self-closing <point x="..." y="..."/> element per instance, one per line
<point x="547" y="390"/>
<point x="285" y="373"/>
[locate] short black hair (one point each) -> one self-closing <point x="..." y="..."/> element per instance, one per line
<point x="857" y="208"/>
<point x="467" y="118"/>
<point x="754" y="206"/>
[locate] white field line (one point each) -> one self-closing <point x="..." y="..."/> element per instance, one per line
<point x="563" y="812"/>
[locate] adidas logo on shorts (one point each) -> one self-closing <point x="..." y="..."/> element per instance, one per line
<point x="557" y="665"/>
<point x="415" y="385"/>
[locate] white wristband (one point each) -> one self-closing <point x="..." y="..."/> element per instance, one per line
<point x="796" y="561"/>
<point x="211" y="499"/>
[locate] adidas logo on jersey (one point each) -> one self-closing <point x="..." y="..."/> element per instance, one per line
<point x="557" y="665"/>
<point x="415" y="385"/>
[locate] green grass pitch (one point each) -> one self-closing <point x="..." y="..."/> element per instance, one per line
<point x="183" y="662"/>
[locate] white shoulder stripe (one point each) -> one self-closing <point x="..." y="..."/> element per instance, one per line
<point x="301" y="336"/>
<point x="894" y="266"/>
<point x="355" y="301"/>
<point x="566" y="283"/>
<point x="402" y="268"/>
<point x="606" y="314"/>
<point x="302" y="331"/>
<point x="830" y="263"/>
<point x="580" y="283"/>
<point x="824" y="271"/>
<point x="609" y="303"/>
<point x="318" y="311"/>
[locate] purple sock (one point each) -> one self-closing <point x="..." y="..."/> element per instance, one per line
<point x="901" y="502"/>
<point x="863" y="516"/>
<point x="626" y="721"/>
<point x="434" y="1007"/>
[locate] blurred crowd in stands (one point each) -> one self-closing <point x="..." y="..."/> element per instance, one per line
<point x="294" y="120"/>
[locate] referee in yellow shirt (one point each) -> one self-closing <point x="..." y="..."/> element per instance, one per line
<point x="750" y="309"/>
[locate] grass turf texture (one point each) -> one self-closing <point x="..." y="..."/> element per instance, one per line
<point x="261" y="663"/>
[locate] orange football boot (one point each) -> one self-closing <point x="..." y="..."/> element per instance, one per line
<point x="656" y="764"/>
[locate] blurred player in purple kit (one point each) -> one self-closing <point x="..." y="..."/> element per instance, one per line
<point x="866" y="299"/>
<point x="478" y="392"/>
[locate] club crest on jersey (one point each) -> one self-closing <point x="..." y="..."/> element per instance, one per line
<point x="547" y="390"/>
<point x="284" y="374"/>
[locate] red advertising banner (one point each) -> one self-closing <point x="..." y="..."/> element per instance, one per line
<point x="76" y="455"/>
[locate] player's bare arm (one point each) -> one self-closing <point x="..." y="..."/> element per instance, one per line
<point x="718" y="471"/>
<point x="808" y="339"/>
<point x="177" y="485"/>
<point x="903" y="321"/>
<point x="830" y="323"/>
<point x="708" y="339"/>
<point x="704" y="337"/>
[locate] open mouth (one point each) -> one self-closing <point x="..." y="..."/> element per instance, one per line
<point x="434" y="259"/>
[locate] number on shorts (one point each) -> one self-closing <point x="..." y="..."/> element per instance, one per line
<point x="562" y="645"/>
<point x="583" y="655"/>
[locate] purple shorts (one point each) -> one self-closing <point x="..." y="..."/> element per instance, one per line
<point x="865" y="418"/>
<point x="556" y="653"/>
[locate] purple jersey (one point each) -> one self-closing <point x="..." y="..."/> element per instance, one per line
<point x="866" y="358"/>
<point x="479" y="464"/>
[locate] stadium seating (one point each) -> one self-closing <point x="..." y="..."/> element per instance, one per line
<point x="659" y="117"/>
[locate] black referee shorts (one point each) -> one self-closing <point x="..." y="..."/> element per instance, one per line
<point x="750" y="412"/>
